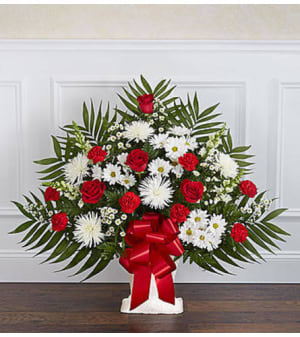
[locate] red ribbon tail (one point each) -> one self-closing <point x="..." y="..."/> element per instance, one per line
<point x="141" y="286"/>
<point x="165" y="288"/>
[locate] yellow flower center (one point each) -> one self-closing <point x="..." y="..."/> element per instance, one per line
<point x="126" y="181"/>
<point x="215" y="225"/>
<point x="197" y="219"/>
<point x="113" y="174"/>
<point x="202" y="237"/>
<point x="189" y="232"/>
<point x="174" y="163"/>
<point x="174" y="148"/>
<point x="160" y="169"/>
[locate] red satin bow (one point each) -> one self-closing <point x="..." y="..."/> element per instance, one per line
<point x="151" y="241"/>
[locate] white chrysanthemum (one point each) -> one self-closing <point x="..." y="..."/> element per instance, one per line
<point x="217" y="224"/>
<point x="138" y="131"/>
<point x="204" y="240"/>
<point x="97" y="172"/>
<point x="112" y="173"/>
<point x="159" y="167"/>
<point x="199" y="218"/>
<point x="191" y="143"/>
<point x="177" y="169"/>
<point x="175" y="147"/>
<point x="187" y="232"/>
<point x="88" y="230"/>
<point x="156" y="192"/>
<point x="179" y="131"/>
<point x="127" y="180"/>
<point x="228" y="167"/>
<point x="158" y="141"/>
<point x="76" y="169"/>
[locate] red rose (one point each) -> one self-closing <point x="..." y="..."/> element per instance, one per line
<point x="92" y="191"/>
<point x="239" y="232"/>
<point x="129" y="202"/>
<point x="146" y="103"/>
<point x="51" y="194"/>
<point x="59" y="222"/>
<point x="97" y="154"/>
<point x="248" y="188"/>
<point x="137" y="160"/>
<point x="188" y="161"/>
<point x="178" y="213"/>
<point x="192" y="190"/>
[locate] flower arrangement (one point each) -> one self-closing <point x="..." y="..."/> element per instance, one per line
<point x="161" y="160"/>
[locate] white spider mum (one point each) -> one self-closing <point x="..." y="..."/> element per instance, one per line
<point x="179" y="131"/>
<point x="175" y="147"/>
<point x="127" y="180"/>
<point x="228" y="167"/>
<point x="217" y="224"/>
<point x="156" y="192"/>
<point x="138" y="131"/>
<point x="76" y="169"/>
<point x="158" y="141"/>
<point x="159" y="167"/>
<point x="199" y="218"/>
<point x="112" y="173"/>
<point x="187" y="232"/>
<point x="97" y="172"/>
<point x="88" y="230"/>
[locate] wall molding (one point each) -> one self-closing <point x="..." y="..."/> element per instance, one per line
<point x="278" y="46"/>
<point x="19" y="104"/>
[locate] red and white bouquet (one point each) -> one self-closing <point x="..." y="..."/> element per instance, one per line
<point x="149" y="184"/>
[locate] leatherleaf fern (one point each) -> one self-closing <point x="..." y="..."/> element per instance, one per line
<point x="219" y="167"/>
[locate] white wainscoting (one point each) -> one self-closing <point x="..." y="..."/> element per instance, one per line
<point x="43" y="85"/>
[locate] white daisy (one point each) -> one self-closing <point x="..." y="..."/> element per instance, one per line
<point x="175" y="147"/>
<point x="187" y="232"/>
<point x="76" y="169"/>
<point x="159" y="167"/>
<point x="204" y="240"/>
<point x="138" y="131"/>
<point x="217" y="224"/>
<point x="97" y="172"/>
<point x="156" y="192"/>
<point x="177" y="169"/>
<point x="88" y="230"/>
<point x="191" y="143"/>
<point x="199" y="218"/>
<point x="179" y="131"/>
<point x="127" y="180"/>
<point x="158" y="141"/>
<point x="228" y="167"/>
<point x="112" y="173"/>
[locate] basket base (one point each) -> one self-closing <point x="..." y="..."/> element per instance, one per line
<point x="153" y="306"/>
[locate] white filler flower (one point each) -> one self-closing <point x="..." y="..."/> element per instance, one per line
<point x="156" y="192"/>
<point x="228" y="167"/>
<point x="138" y="131"/>
<point x="159" y="167"/>
<point x="88" y="230"/>
<point x="76" y="169"/>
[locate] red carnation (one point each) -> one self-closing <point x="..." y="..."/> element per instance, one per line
<point x="248" y="188"/>
<point x="239" y="232"/>
<point x="51" y="194"/>
<point x="146" y="103"/>
<point x="188" y="161"/>
<point x="137" y="160"/>
<point x="192" y="190"/>
<point x="178" y="213"/>
<point x="59" y="222"/>
<point x="92" y="191"/>
<point x="97" y="154"/>
<point x="129" y="202"/>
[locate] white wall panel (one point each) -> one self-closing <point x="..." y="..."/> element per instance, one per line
<point x="43" y="85"/>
